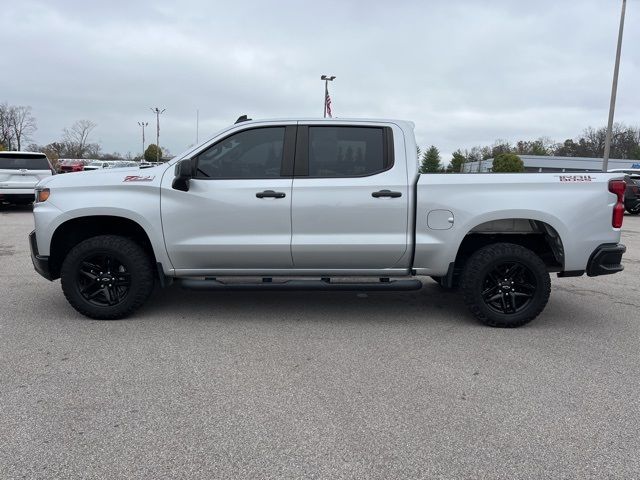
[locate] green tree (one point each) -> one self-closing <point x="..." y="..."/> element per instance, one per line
<point x="541" y="146"/>
<point x="507" y="163"/>
<point x="431" y="161"/>
<point x="457" y="161"/>
<point x="499" y="146"/>
<point x="566" y="149"/>
<point x="151" y="153"/>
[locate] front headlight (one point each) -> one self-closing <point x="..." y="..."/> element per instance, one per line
<point x="42" y="194"/>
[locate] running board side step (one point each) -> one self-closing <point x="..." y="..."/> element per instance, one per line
<point x="320" y="285"/>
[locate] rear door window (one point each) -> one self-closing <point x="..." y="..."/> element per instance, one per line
<point x="347" y="151"/>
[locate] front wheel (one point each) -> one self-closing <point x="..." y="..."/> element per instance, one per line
<point x="106" y="277"/>
<point x="505" y="285"/>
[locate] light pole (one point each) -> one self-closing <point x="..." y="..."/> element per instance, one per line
<point x="614" y="90"/>
<point x="158" y="112"/>
<point x="143" y="124"/>
<point x="327" y="79"/>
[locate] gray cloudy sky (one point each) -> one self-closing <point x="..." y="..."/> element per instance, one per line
<point x="466" y="72"/>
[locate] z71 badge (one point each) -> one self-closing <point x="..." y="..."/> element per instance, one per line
<point x="139" y="178"/>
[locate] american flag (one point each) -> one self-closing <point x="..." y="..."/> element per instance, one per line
<point x="327" y="101"/>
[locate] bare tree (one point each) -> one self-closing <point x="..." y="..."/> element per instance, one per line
<point x="6" y="125"/>
<point x="77" y="137"/>
<point x="23" y="124"/>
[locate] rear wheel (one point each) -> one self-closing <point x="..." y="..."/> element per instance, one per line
<point x="107" y="277"/>
<point x="505" y="285"/>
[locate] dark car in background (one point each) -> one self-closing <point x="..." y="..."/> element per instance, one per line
<point x="632" y="194"/>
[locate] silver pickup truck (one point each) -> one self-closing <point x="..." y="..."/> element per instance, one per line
<point x="322" y="205"/>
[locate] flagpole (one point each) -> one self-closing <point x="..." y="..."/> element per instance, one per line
<point x="614" y="89"/>
<point x="326" y="92"/>
<point x="327" y="79"/>
<point x="158" y="112"/>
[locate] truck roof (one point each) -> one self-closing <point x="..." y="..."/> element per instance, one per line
<point x="15" y="152"/>
<point x="321" y="119"/>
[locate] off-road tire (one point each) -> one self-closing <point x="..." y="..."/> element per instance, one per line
<point x="484" y="261"/>
<point x="136" y="261"/>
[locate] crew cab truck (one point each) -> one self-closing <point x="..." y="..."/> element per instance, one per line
<point x="334" y="204"/>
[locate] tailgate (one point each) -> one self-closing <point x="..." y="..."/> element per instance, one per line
<point x="22" y="178"/>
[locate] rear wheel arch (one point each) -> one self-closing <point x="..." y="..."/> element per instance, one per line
<point x="538" y="236"/>
<point x="76" y="230"/>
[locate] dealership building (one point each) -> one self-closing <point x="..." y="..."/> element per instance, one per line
<point x="541" y="164"/>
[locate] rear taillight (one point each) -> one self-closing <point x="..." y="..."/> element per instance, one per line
<point x="618" y="187"/>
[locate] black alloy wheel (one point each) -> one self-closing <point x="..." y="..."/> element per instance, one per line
<point x="505" y="285"/>
<point x="107" y="277"/>
<point x="103" y="280"/>
<point x="509" y="287"/>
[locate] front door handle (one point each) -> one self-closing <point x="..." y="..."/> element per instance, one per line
<point x="386" y="193"/>
<point x="270" y="194"/>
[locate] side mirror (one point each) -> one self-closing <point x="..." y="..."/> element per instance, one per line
<point x="184" y="173"/>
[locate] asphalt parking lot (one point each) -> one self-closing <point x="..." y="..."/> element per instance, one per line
<point x="317" y="385"/>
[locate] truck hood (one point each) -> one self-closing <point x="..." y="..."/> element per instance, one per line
<point x="105" y="177"/>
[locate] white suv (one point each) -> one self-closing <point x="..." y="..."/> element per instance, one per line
<point x="98" y="165"/>
<point x="19" y="174"/>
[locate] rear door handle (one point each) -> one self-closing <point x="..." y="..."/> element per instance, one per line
<point x="386" y="193"/>
<point x="270" y="194"/>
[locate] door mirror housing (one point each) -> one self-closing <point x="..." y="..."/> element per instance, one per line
<point x="183" y="173"/>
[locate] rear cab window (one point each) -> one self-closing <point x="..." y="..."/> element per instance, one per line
<point x="24" y="162"/>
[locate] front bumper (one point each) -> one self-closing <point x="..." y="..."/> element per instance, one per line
<point x="606" y="259"/>
<point x="40" y="263"/>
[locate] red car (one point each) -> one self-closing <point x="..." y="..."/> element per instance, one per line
<point x="70" y="165"/>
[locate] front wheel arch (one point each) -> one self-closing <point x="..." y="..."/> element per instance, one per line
<point x="72" y="232"/>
